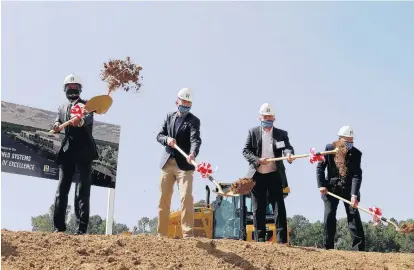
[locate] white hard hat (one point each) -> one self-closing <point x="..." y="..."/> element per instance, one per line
<point x="186" y="94"/>
<point x="72" y="78"/>
<point x="266" y="109"/>
<point x="346" y="131"/>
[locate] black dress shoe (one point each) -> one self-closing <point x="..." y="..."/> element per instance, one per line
<point x="79" y="233"/>
<point x="58" y="230"/>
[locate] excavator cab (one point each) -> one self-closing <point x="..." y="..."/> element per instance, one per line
<point x="225" y="218"/>
<point x="233" y="217"/>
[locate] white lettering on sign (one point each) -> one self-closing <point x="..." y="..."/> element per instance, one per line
<point x="21" y="157"/>
<point x="5" y="154"/>
<point x="21" y="165"/>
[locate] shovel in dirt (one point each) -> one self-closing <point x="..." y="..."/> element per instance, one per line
<point x="203" y="168"/>
<point x="98" y="104"/>
<point x="377" y="215"/>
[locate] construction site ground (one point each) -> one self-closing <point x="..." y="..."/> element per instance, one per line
<point x="34" y="250"/>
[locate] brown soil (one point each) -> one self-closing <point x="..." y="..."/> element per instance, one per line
<point x="407" y="228"/>
<point x="242" y="186"/>
<point x="121" y="74"/>
<point x="29" y="250"/>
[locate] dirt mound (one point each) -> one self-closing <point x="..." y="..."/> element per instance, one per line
<point x="28" y="250"/>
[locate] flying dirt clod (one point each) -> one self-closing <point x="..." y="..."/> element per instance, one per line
<point x="121" y="74"/>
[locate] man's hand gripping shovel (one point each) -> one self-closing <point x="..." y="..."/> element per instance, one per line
<point x="98" y="104"/>
<point x="205" y="170"/>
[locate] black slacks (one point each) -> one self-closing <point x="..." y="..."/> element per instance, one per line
<point x="354" y="221"/>
<point x="82" y="195"/>
<point x="269" y="186"/>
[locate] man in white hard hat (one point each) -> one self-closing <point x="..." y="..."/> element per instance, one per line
<point x="78" y="150"/>
<point x="180" y="127"/>
<point x="264" y="142"/>
<point x="346" y="186"/>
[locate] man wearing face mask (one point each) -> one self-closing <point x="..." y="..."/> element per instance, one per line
<point x="347" y="187"/>
<point x="182" y="128"/>
<point x="78" y="150"/>
<point x="263" y="142"/>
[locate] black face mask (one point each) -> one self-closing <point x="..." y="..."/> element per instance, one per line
<point x="72" y="94"/>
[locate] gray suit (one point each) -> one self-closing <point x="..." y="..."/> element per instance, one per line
<point x="78" y="150"/>
<point x="78" y="141"/>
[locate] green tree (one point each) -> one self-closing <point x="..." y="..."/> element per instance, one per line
<point x="153" y="224"/>
<point x="71" y="225"/>
<point x="96" y="225"/>
<point x="201" y="203"/>
<point x="44" y="223"/>
<point x="118" y="228"/>
<point x="143" y="226"/>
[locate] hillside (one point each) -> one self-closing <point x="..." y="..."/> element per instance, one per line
<point x="43" y="119"/>
<point x="30" y="250"/>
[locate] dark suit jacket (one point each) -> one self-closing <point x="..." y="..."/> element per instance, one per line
<point x="187" y="138"/>
<point x="252" y="151"/>
<point x="354" y="176"/>
<point x="81" y="142"/>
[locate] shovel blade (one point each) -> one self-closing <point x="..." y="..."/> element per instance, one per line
<point x="227" y="193"/>
<point x="99" y="104"/>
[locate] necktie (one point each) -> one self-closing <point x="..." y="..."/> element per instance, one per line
<point x="66" y="146"/>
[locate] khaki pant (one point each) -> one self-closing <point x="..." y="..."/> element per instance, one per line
<point x="169" y="175"/>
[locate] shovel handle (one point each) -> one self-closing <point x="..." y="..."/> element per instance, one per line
<point x="365" y="210"/>
<point x="195" y="165"/>
<point x="350" y="203"/>
<point x="62" y="126"/>
<point x="327" y="152"/>
<point x="303" y="156"/>
<point x="185" y="155"/>
<point x="283" y="158"/>
<point x="67" y="123"/>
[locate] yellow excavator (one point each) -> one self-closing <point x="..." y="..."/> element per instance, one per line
<point x="226" y="218"/>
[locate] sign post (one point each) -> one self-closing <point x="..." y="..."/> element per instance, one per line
<point x="110" y="211"/>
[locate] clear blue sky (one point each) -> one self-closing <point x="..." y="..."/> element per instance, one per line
<point x="321" y="65"/>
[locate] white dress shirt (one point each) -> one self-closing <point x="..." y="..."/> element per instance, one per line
<point x="267" y="152"/>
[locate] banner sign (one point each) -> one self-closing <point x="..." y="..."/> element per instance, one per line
<point x="27" y="147"/>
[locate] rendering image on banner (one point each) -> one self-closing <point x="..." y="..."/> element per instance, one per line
<point x="28" y="148"/>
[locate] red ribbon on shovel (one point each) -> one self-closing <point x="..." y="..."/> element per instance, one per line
<point x="204" y="168"/>
<point x="77" y="111"/>
<point x="313" y="157"/>
<point x="377" y="214"/>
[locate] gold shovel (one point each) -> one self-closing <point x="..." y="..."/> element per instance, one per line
<point x="98" y="104"/>
<point x="408" y="229"/>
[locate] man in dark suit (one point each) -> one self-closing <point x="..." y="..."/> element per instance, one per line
<point x="181" y="128"/>
<point x="346" y="186"/>
<point x="78" y="150"/>
<point x="265" y="142"/>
